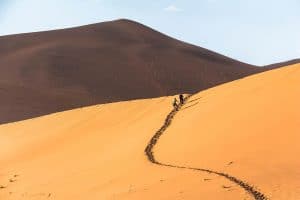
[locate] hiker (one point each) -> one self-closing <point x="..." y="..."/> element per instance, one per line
<point x="175" y="104"/>
<point x="181" y="98"/>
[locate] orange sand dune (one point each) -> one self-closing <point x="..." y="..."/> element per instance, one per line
<point x="248" y="129"/>
<point x="96" y="153"/>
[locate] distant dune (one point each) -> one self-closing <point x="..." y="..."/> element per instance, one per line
<point x="46" y="72"/>
<point x="245" y="128"/>
<point x="281" y="64"/>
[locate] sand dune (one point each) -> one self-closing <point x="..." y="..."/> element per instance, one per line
<point x="249" y="128"/>
<point x="245" y="128"/>
<point x="282" y="64"/>
<point x="46" y="72"/>
<point x="96" y="153"/>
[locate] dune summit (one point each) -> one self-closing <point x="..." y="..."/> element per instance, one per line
<point x="46" y="72"/>
<point x="245" y="129"/>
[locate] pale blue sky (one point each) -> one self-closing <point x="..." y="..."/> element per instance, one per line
<point x="254" y="31"/>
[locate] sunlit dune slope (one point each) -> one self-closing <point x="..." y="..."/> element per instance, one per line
<point x="97" y="153"/>
<point x="248" y="128"/>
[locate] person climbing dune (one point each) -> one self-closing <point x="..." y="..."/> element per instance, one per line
<point x="181" y="98"/>
<point x="175" y="104"/>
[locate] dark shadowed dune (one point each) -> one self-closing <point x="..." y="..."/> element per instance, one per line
<point x="46" y="72"/>
<point x="282" y="64"/>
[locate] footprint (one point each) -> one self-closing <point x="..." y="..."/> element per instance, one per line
<point x="230" y="163"/>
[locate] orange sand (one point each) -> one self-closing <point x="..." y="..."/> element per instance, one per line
<point x="253" y="122"/>
<point x="98" y="152"/>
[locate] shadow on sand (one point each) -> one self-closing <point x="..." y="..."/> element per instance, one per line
<point x="190" y="106"/>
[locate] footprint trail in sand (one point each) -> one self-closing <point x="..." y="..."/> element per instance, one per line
<point x="150" y="155"/>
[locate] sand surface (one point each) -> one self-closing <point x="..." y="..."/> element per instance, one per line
<point x="248" y="128"/>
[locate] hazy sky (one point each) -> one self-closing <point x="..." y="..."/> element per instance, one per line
<point x="254" y="31"/>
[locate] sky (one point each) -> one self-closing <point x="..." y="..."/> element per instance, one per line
<point x="258" y="32"/>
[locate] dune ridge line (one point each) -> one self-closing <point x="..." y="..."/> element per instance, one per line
<point x="150" y="156"/>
